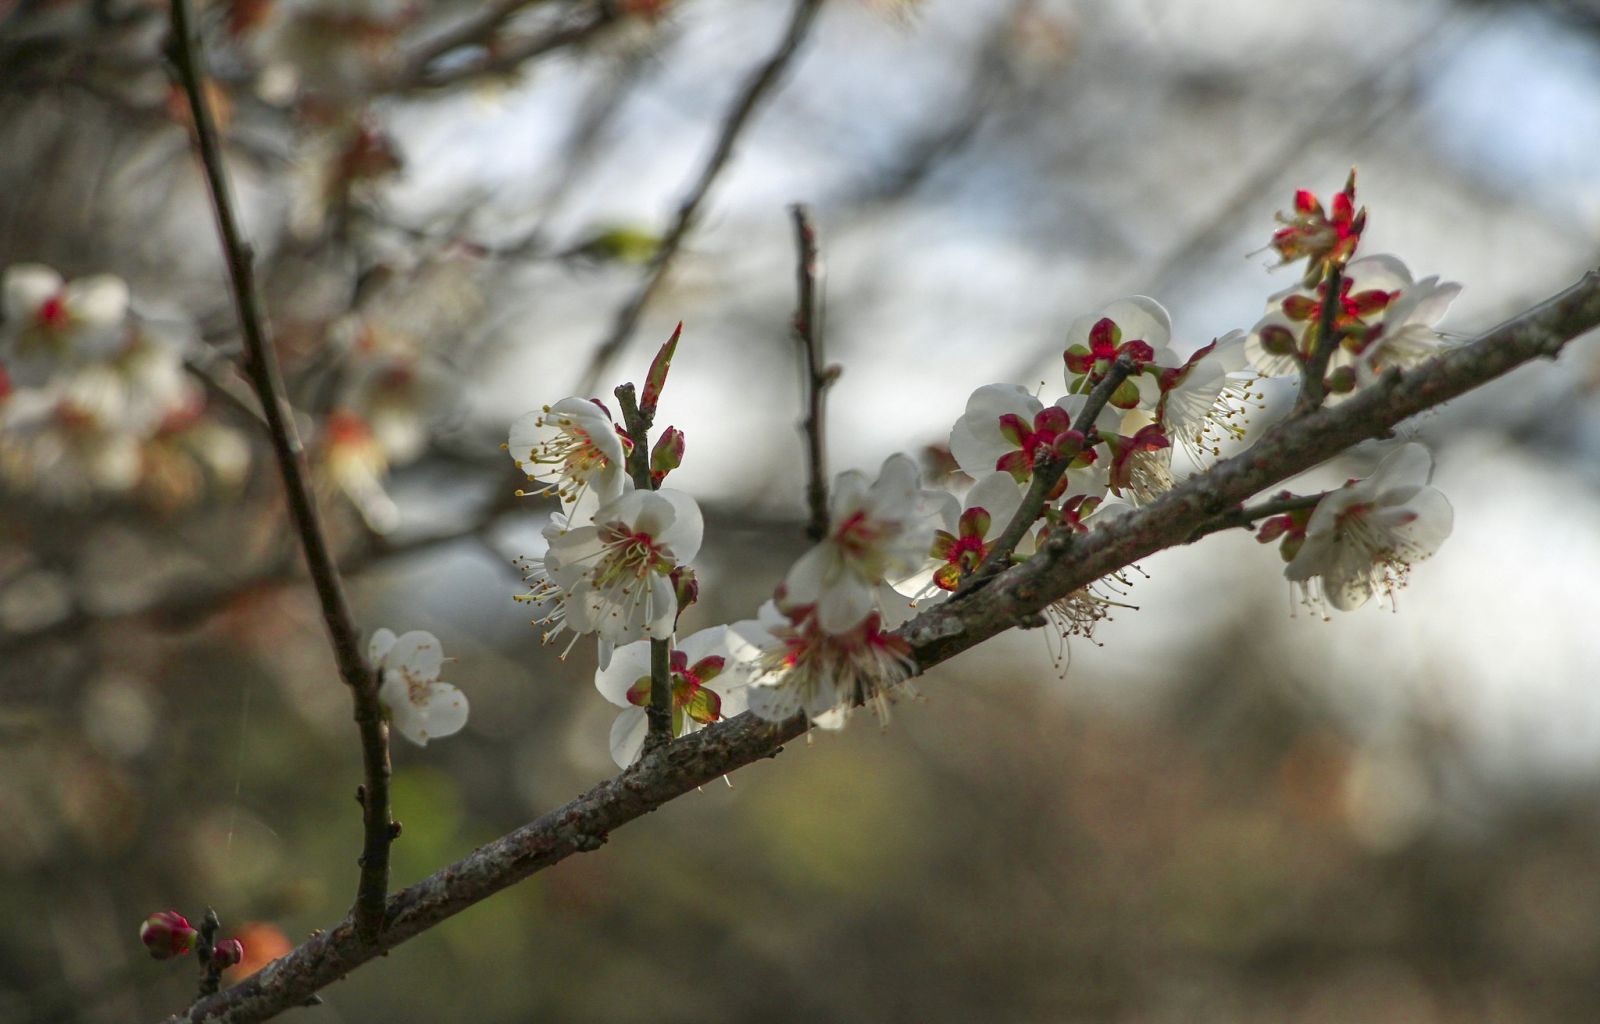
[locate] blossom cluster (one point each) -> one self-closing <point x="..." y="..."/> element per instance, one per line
<point x="95" y="398"/>
<point x="617" y="562"/>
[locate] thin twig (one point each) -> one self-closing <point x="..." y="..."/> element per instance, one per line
<point x="733" y="125"/>
<point x="229" y="389"/>
<point x="658" y="716"/>
<point x="818" y="375"/>
<point x="1244" y="516"/>
<point x="1069" y="561"/>
<point x="420" y="74"/>
<point x="1045" y="477"/>
<point x="1314" y="384"/>
<point x="262" y="368"/>
<point x="205" y="946"/>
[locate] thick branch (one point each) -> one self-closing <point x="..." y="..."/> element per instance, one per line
<point x="733" y="125"/>
<point x="262" y="368"/>
<point x="1067" y="562"/>
<point x="818" y="375"/>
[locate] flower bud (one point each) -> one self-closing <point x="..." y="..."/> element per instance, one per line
<point x="667" y="455"/>
<point x="227" y="953"/>
<point x="166" y="934"/>
<point x="1067" y="444"/>
<point x="656" y="378"/>
<point x="1342" y="381"/>
<point x="1278" y="340"/>
<point x="685" y="586"/>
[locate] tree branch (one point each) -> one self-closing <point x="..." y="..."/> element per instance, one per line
<point x="1066" y="562"/>
<point x="262" y="369"/>
<point x="419" y="74"/>
<point x="733" y="125"/>
<point x="818" y="375"/>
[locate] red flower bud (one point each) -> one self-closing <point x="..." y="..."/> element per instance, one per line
<point x="167" y="934"/>
<point x="227" y="953"/>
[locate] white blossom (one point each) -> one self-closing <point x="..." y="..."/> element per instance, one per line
<point x="573" y="448"/>
<point x="421" y="708"/>
<point x="877" y="532"/>
<point x="612" y="576"/>
<point x="707" y="686"/>
<point x="1363" y="538"/>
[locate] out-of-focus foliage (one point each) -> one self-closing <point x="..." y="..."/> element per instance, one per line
<point x="1222" y="815"/>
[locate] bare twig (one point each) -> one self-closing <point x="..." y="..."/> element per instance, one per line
<point x="1066" y="562"/>
<point x="262" y="367"/>
<point x="733" y="125"/>
<point x="420" y="73"/>
<point x="818" y="375"/>
<point x="658" y="716"/>
<point x="1248" y="516"/>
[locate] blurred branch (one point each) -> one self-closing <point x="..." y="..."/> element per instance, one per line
<point x="265" y="376"/>
<point x="1065" y="563"/>
<point x="818" y="375"/>
<point x="1370" y="96"/>
<point x="990" y="78"/>
<point x="733" y="124"/>
<point x="479" y="31"/>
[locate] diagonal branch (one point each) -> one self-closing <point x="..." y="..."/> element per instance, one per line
<point x="1066" y="562"/>
<point x="421" y="73"/>
<point x="733" y="125"/>
<point x="262" y="369"/>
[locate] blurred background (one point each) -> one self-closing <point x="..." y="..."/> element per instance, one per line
<point x="1228" y="812"/>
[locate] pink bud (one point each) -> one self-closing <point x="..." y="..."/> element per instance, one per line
<point x="656" y="378"/>
<point x="166" y="934"/>
<point x="226" y="953"/>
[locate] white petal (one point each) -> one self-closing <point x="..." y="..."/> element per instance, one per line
<point x="1000" y="495"/>
<point x="844" y="606"/>
<point x="683" y="534"/>
<point x="1141" y="318"/>
<point x="813" y="572"/>
<point x="1411" y="463"/>
<point x="524" y="436"/>
<point x="98" y="301"/>
<point x="378" y="647"/>
<point x="708" y="641"/>
<point x="628" y="665"/>
<point x="419" y="652"/>
<point x="26" y="287"/>
<point x="627" y="736"/>
<point x="774" y="703"/>
<point x="444" y="711"/>
<point x="1382" y="272"/>
<point x="661" y="608"/>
